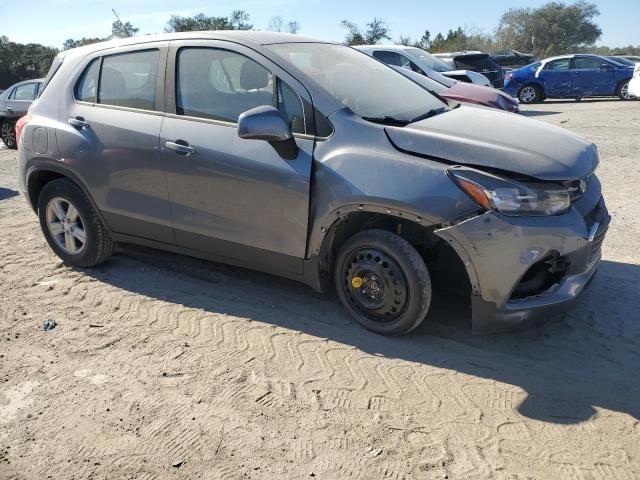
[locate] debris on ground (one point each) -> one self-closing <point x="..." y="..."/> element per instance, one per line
<point x="49" y="325"/>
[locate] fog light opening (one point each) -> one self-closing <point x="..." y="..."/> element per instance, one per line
<point x="541" y="277"/>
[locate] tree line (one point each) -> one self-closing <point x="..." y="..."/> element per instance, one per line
<point x="552" y="29"/>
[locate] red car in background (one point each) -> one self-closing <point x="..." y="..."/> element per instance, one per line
<point x="461" y="91"/>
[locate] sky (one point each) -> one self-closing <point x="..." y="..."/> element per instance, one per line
<point x="51" y="22"/>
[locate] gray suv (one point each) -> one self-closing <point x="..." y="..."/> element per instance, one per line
<point x="14" y="103"/>
<point x="316" y="162"/>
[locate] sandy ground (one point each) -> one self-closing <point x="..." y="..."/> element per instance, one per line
<point x="168" y="367"/>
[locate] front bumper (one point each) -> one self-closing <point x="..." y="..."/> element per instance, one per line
<point x="498" y="251"/>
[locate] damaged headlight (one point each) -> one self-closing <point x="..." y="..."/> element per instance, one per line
<point x="510" y="197"/>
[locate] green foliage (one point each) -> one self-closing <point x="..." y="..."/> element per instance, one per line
<point x="376" y="30"/>
<point x="20" y="62"/>
<point x="122" y="30"/>
<point x="71" y="43"/>
<point x="551" y="29"/>
<point x="238" y="20"/>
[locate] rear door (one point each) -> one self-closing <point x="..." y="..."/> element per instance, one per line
<point x="234" y="198"/>
<point x="20" y="99"/>
<point x="556" y="77"/>
<point x="592" y="76"/>
<point x="112" y="139"/>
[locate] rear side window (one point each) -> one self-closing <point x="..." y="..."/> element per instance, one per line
<point x="87" y="86"/>
<point x="220" y="84"/>
<point x="129" y="80"/>
<point x="25" y="92"/>
<point x="392" y="58"/>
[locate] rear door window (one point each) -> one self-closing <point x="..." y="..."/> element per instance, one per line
<point x="586" y="63"/>
<point x="129" y="80"/>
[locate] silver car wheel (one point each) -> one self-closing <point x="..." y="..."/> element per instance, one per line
<point x="528" y="94"/>
<point x="66" y="226"/>
<point x="8" y="134"/>
<point x="624" y="91"/>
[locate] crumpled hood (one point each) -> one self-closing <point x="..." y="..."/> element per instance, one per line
<point x="490" y="138"/>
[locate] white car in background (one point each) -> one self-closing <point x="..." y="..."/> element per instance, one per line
<point x="421" y="61"/>
<point x="634" y="84"/>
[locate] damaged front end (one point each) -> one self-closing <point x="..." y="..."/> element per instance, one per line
<point x="522" y="267"/>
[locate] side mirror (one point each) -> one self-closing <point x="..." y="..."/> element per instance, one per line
<point x="267" y="123"/>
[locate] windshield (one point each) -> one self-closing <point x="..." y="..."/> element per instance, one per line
<point x="368" y="87"/>
<point x="429" y="60"/>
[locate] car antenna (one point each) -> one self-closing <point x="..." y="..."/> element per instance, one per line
<point x="123" y="25"/>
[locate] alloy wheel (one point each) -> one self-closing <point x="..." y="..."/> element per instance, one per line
<point x="624" y="91"/>
<point x="375" y="285"/>
<point x="8" y="134"/>
<point x="528" y="94"/>
<point x="66" y="225"/>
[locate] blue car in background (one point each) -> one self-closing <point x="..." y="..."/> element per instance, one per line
<point x="570" y="76"/>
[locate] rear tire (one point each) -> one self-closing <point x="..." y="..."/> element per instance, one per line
<point x="71" y="225"/>
<point x="8" y="134"/>
<point x="530" y="94"/>
<point x="623" y="91"/>
<point x="383" y="282"/>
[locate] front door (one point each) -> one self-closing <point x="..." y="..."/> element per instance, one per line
<point x="556" y="77"/>
<point x="112" y="136"/>
<point x="233" y="198"/>
<point x="592" y="76"/>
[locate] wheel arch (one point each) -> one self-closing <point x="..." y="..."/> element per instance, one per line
<point x="39" y="175"/>
<point x="418" y="231"/>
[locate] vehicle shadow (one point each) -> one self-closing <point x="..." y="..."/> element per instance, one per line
<point x="7" y="193"/>
<point x="568" y="367"/>
<point x="537" y="113"/>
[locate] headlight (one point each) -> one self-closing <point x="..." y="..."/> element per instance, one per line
<point x="509" y="197"/>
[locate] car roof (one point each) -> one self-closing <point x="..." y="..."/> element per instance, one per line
<point x="574" y="55"/>
<point x="239" y="36"/>
<point x="26" y="81"/>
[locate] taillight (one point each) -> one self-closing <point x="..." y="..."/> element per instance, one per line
<point x="20" y="124"/>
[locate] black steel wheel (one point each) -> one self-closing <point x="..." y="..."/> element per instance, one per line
<point x="383" y="282"/>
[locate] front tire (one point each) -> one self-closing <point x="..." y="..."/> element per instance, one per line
<point x="530" y="94"/>
<point x="623" y="91"/>
<point x="8" y="134"/>
<point x="383" y="282"/>
<point x="71" y="225"/>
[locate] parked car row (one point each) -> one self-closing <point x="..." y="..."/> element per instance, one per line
<point x="313" y="161"/>
<point x="570" y="76"/>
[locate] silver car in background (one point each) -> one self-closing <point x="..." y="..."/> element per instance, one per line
<point x="422" y="62"/>
<point x="313" y="161"/>
<point x="14" y="103"/>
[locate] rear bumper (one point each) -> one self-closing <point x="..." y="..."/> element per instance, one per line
<point x="499" y="251"/>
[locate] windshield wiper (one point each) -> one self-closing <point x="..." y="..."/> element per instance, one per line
<point x="430" y="113"/>
<point x="386" y="120"/>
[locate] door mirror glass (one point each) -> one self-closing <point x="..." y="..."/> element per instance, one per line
<point x="267" y="123"/>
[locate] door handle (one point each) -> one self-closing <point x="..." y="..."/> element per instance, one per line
<point x="9" y="109"/>
<point x="78" y="122"/>
<point x="181" y="147"/>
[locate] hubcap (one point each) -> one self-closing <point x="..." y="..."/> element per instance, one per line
<point x="528" y="94"/>
<point x="66" y="226"/>
<point x="375" y="285"/>
<point x="8" y="135"/>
